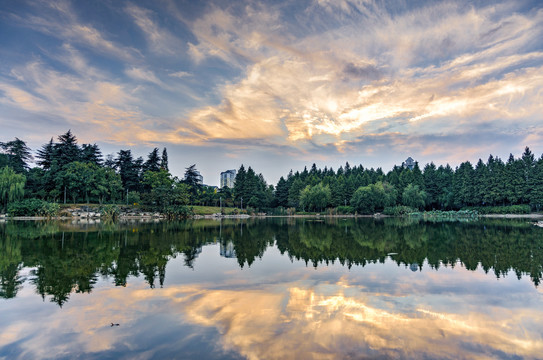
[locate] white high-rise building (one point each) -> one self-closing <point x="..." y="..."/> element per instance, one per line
<point x="227" y="178"/>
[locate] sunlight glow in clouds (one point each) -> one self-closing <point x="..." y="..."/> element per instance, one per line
<point x="321" y="76"/>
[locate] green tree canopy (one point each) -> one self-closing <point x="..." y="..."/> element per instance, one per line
<point x="315" y="197"/>
<point x="18" y="154"/>
<point x="11" y="186"/>
<point x="413" y="196"/>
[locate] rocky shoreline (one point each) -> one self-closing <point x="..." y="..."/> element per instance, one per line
<point x="93" y="214"/>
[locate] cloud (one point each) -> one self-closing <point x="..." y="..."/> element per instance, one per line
<point x="313" y="78"/>
<point x="142" y="74"/>
<point x="281" y="318"/>
<point x="180" y="74"/>
<point x="58" y="19"/>
<point x="438" y="69"/>
<point x="159" y="39"/>
<point x="91" y="102"/>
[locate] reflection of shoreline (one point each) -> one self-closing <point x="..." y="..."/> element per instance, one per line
<point x="89" y="249"/>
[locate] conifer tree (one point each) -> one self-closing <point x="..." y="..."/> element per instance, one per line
<point x="164" y="160"/>
<point x="18" y="154"/>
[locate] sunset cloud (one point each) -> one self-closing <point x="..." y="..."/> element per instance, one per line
<point x="320" y="78"/>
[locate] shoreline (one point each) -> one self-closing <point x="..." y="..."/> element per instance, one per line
<point x="4" y="218"/>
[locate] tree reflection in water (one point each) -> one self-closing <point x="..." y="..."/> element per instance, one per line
<point x="66" y="257"/>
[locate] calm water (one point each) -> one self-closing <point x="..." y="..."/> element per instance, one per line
<point x="272" y="289"/>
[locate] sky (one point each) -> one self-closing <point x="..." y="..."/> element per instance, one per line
<point x="276" y="85"/>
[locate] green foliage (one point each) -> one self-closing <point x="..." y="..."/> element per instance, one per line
<point x="11" y="186"/>
<point x="374" y="197"/>
<point x="414" y="197"/>
<point x="17" y="153"/>
<point x="134" y="198"/>
<point x="364" y="200"/>
<point x="315" y="197"/>
<point x="344" y="210"/>
<point x="251" y="189"/>
<point x="153" y="162"/>
<point x="443" y="215"/>
<point x="294" y="193"/>
<point x="129" y="170"/>
<point x="81" y="174"/>
<point x="512" y="209"/>
<point x="399" y="210"/>
<point x="33" y="207"/>
<point x="110" y="212"/>
<point x="178" y="211"/>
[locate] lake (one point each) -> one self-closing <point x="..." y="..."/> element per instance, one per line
<point x="276" y="288"/>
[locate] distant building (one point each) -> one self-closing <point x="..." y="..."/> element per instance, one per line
<point x="227" y="178"/>
<point x="409" y="163"/>
<point x="227" y="249"/>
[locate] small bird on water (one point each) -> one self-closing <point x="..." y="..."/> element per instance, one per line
<point x="112" y="324"/>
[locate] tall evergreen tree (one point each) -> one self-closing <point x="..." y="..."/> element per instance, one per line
<point x="18" y="154"/>
<point x="153" y="161"/>
<point x="128" y="170"/>
<point x="192" y="180"/>
<point x="66" y="150"/>
<point x="431" y="185"/>
<point x="239" y="185"/>
<point x="294" y="193"/>
<point x="91" y="153"/>
<point x="536" y="183"/>
<point x="46" y="155"/>
<point x="281" y="193"/>
<point x="164" y="160"/>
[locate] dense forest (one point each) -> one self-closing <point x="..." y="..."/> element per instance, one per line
<point x="67" y="172"/>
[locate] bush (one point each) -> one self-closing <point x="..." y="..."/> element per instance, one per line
<point x="178" y="211"/>
<point x="110" y="212"/>
<point x="344" y="210"/>
<point x="134" y="198"/>
<point x="33" y="207"/>
<point x="512" y="209"/>
<point x="399" y="210"/>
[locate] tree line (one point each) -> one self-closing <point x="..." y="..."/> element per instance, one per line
<point x="69" y="172"/>
<point x="516" y="182"/>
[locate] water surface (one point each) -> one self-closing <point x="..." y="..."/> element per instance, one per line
<point x="271" y="289"/>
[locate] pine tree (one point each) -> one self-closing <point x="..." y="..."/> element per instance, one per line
<point x="164" y="160"/>
<point x="91" y="154"/>
<point x="431" y="185"/>
<point x="18" y="154"/>
<point x="528" y="165"/>
<point x="66" y="150"/>
<point x="153" y="161"/>
<point x="239" y="185"/>
<point x="294" y="193"/>
<point x="128" y="169"/>
<point x="46" y="155"/>
<point x="281" y="192"/>
<point x="536" y="195"/>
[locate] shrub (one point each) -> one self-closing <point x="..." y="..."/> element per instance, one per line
<point x="33" y="207"/>
<point x="345" y="210"/>
<point x="400" y="210"/>
<point x="134" y="198"/>
<point x="110" y="212"/>
<point x="512" y="209"/>
<point x="178" y="211"/>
